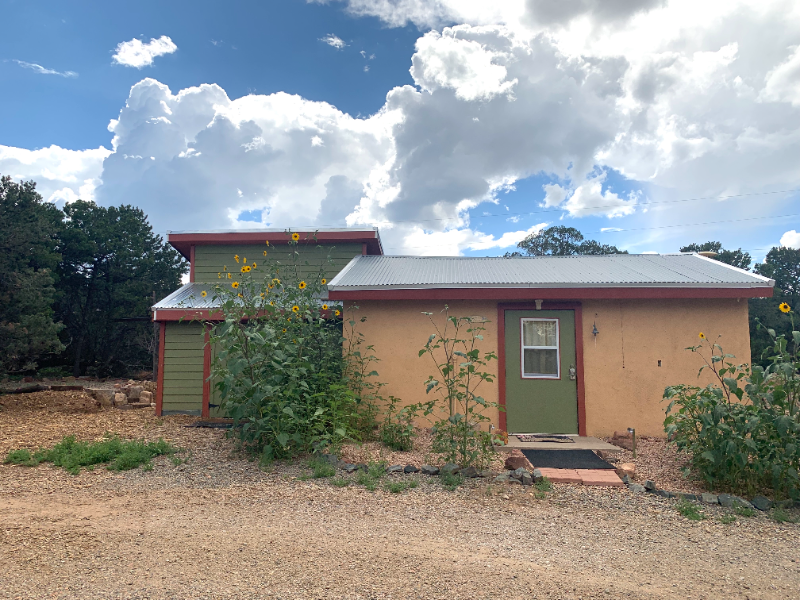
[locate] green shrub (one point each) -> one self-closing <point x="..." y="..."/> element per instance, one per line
<point x="397" y="487"/>
<point x="743" y="432"/>
<point x="543" y="485"/>
<point x="744" y="511"/>
<point x="450" y="481"/>
<point x="690" y="510"/>
<point x="321" y="469"/>
<point x="372" y="476"/>
<point x="72" y="455"/>
<point x="340" y="482"/>
<point x="727" y="519"/>
<point x="456" y="407"/>
<point x="397" y="428"/>
<point x="278" y="360"/>
<point x="781" y="515"/>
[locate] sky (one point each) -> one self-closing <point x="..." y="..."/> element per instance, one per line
<point x="454" y="126"/>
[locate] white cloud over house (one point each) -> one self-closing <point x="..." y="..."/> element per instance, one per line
<point x="138" y="54"/>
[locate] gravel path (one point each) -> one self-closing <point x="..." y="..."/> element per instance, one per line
<point x="218" y="527"/>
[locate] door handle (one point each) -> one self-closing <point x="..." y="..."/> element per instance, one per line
<point x="573" y="374"/>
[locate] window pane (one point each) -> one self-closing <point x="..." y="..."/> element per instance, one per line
<point x="539" y="333"/>
<point x="541" y="362"/>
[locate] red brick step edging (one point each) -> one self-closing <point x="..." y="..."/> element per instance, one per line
<point x="598" y="477"/>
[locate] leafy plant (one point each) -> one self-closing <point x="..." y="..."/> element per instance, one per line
<point x="321" y="469"/>
<point x="690" y="510"/>
<point x="372" y="476"/>
<point x="278" y="363"/>
<point x="72" y="455"/>
<point x="397" y="428"/>
<point x="450" y="481"/>
<point x="397" y="487"/>
<point x="741" y="433"/>
<point x="744" y="511"/>
<point x="456" y="407"/>
<point x="543" y="485"/>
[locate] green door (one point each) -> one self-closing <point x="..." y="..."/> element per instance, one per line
<point x="541" y="386"/>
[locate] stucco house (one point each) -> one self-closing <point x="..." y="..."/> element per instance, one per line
<point x="585" y="344"/>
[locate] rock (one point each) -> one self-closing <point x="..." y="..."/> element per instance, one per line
<point x="709" y="498"/>
<point x="664" y="494"/>
<point x="349" y="468"/>
<point x="410" y="469"/>
<point x="526" y="479"/>
<point x="518" y="473"/>
<point x="134" y="392"/>
<point x="628" y="469"/>
<point x="729" y="501"/>
<point x="635" y="487"/>
<point x="486" y="473"/>
<point x="450" y="469"/>
<point x="537" y="475"/>
<point x="516" y="462"/>
<point x="429" y="470"/>
<point x="470" y="472"/>
<point x="514" y="481"/>
<point x="104" y="397"/>
<point x="502" y="478"/>
<point x="148" y="397"/>
<point x="625" y="479"/>
<point x="762" y="503"/>
<point x="331" y="459"/>
<point x="622" y="435"/>
<point x="690" y="497"/>
<point x="395" y="469"/>
<point x="120" y="399"/>
<point x="362" y="467"/>
<point x="607" y="455"/>
<point x="650" y="485"/>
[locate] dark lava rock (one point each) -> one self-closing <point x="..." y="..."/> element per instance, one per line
<point x="635" y="487"/>
<point x="410" y="469"/>
<point x="650" y="486"/>
<point x="450" y="469"/>
<point x="664" y="494"/>
<point x="395" y="469"/>
<point x="429" y="470"/>
<point x="537" y="475"/>
<point x="470" y="472"/>
<point x="691" y="497"/>
<point x="526" y="479"/>
<point x="349" y="468"/>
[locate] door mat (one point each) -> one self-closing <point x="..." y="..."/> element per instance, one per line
<point x="565" y="459"/>
<point x="544" y="437"/>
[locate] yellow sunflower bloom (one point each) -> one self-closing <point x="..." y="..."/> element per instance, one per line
<point x="261" y="295"/>
<point x="224" y="267"/>
<point x="270" y="286"/>
<point x="276" y="281"/>
<point x="295" y="308"/>
<point x="302" y="285"/>
<point x="785" y="308"/>
<point x="229" y="275"/>
<point x="272" y="302"/>
<point x="254" y="265"/>
<point x="219" y="275"/>
<point x="267" y="241"/>
<point x="236" y="257"/>
<point x="337" y="313"/>
<point x="204" y="293"/>
<point x="324" y="281"/>
<point x="284" y="330"/>
<point x="702" y="335"/>
<point x="295" y="236"/>
<point x="244" y="260"/>
<point x="247" y="269"/>
<point x="243" y="269"/>
<point x="265" y="252"/>
<point x="324" y="307"/>
<point x="235" y="285"/>
<point x="240" y="296"/>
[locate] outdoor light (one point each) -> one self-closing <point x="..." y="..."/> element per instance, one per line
<point x="594" y="329"/>
<point x="632" y="431"/>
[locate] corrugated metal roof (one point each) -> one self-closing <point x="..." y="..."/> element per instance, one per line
<point x="189" y="296"/>
<point x="615" y="270"/>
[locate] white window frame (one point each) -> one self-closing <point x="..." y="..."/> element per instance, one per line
<point x="523" y="347"/>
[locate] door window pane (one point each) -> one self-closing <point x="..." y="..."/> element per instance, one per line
<point x="541" y="362"/>
<point x="539" y="333"/>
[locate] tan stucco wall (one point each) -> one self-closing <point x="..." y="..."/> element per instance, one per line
<point x="623" y="382"/>
<point x="399" y="330"/>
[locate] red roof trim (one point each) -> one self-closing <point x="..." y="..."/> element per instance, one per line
<point x="183" y="242"/>
<point x="587" y="293"/>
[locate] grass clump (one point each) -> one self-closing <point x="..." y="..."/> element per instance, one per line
<point x="727" y="519"/>
<point x="781" y="515"/>
<point x="690" y="510"/>
<point x="744" y="511"/>
<point x="370" y="478"/>
<point x="72" y="455"/>
<point x="340" y="482"/>
<point x="398" y="487"/>
<point x="543" y="485"/>
<point x="321" y="469"/>
<point x="451" y="481"/>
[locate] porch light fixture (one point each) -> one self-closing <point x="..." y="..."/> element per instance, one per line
<point x="632" y="431"/>
<point x="594" y="329"/>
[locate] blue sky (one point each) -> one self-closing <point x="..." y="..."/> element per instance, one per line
<point x="454" y="127"/>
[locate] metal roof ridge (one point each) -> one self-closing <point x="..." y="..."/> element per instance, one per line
<point x="738" y="270"/>
<point x="279" y="230"/>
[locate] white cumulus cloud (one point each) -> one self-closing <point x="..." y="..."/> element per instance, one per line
<point x="790" y="239"/>
<point x="138" y="54"/>
<point x="334" y="41"/>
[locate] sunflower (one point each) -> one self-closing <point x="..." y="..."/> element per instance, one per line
<point x="261" y="295"/>
<point x="254" y="265"/>
<point x="229" y="275"/>
<point x="276" y="281"/>
<point x="204" y="293"/>
<point x="224" y="267"/>
<point x="240" y="296"/>
<point x="324" y="307"/>
<point x="702" y="335"/>
<point x="284" y="330"/>
<point x="337" y="313"/>
<point x="244" y="260"/>
<point x="295" y="237"/>
<point x="270" y="286"/>
<point x="272" y="302"/>
<point x="265" y="252"/>
<point x="302" y="285"/>
<point x="235" y="285"/>
<point x="243" y="269"/>
<point x="247" y="269"/>
<point x="236" y="257"/>
<point x="267" y="241"/>
<point x="295" y="308"/>
<point x="785" y="308"/>
<point x="219" y="275"/>
<point x="324" y="281"/>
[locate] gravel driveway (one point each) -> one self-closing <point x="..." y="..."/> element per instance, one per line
<point x="218" y="527"/>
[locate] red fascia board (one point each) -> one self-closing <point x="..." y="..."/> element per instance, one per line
<point x="183" y="242"/>
<point x="598" y="293"/>
<point x="200" y="315"/>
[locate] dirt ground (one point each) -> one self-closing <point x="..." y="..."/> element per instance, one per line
<point x="218" y="527"/>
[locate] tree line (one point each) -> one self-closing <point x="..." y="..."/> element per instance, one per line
<point x="76" y="284"/>
<point x="781" y="264"/>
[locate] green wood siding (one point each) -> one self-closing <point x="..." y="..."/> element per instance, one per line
<point x="210" y="259"/>
<point x="183" y="368"/>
